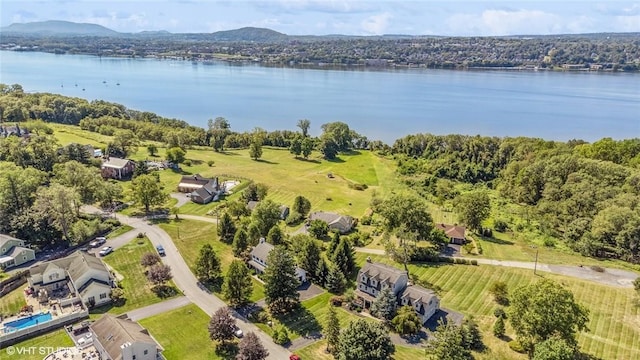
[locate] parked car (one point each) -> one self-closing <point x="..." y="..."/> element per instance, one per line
<point x="84" y="248"/>
<point x="106" y="251"/>
<point x="160" y="250"/>
<point x="98" y="241"/>
<point x="238" y="333"/>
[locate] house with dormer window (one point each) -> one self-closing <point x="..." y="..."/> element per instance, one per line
<point x="374" y="277"/>
<point x="258" y="260"/>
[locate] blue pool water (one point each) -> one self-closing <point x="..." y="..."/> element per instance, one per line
<point x="28" y="321"/>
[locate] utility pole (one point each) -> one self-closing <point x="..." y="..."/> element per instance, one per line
<point x="535" y="266"/>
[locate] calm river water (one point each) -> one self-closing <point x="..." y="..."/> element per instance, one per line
<point x="383" y="105"/>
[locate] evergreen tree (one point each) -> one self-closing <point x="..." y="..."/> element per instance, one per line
<point x="237" y="287"/>
<point x="208" y="265"/>
<point x="498" y="327"/>
<point x="275" y="236"/>
<point x="281" y="282"/>
<point x="226" y="228"/>
<point x="322" y="271"/>
<point x="363" y="340"/>
<point x="240" y="242"/>
<point x="333" y="245"/>
<point x="384" y="306"/>
<point x="343" y="257"/>
<point x="309" y="256"/>
<point x="472" y="335"/>
<point x="336" y="281"/>
<point x="332" y="329"/>
<point x="140" y="169"/>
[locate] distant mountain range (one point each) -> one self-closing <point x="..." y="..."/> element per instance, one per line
<point x="67" y="28"/>
<point x="252" y="34"/>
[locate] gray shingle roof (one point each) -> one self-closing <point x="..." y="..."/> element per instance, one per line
<point x="262" y="250"/>
<point x="112" y="332"/>
<point x="381" y="272"/>
<point x="114" y="162"/>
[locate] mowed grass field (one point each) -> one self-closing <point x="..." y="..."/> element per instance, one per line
<point x="614" y="320"/>
<point x="11" y="303"/>
<point x="193" y="235"/>
<point x="182" y="333"/>
<point x="37" y="348"/>
<point x="316" y="351"/>
<point x="137" y="289"/>
<point x="286" y="176"/>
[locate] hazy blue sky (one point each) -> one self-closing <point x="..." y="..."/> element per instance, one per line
<point x="356" y="17"/>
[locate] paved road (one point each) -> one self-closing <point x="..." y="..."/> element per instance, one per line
<point x="187" y="282"/>
<point x="159" y="308"/>
<point x="611" y="277"/>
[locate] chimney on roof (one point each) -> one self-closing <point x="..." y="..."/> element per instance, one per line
<point x="368" y="259"/>
<point x="262" y="240"/>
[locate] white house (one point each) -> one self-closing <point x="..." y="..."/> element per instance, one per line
<point x="259" y="256"/>
<point x="13" y="252"/>
<point x="122" y="339"/>
<point x="373" y="277"/>
<point x="85" y="273"/>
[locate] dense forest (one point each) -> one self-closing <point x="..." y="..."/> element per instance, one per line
<point x="613" y="52"/>
<point x="586" y="194"/>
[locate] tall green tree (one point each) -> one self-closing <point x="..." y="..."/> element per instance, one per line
<point x="152" y="149"/>
<point x="343" y="257"/>
<point x="309" y="256"/>
<point x="61" y="204"/>
<point x="363" y="340"/>
<point x="226" y="228"/>
<point x="301" y="205"/>
<point x="125" y="141"/>
<point x="328" y="147"/>
<point x="275" y="236"/>
<point x="218" y="130"/>
<point x="532" y="320"/>
<point x="339" y="133"/>
<point x="384" y="306"/>
<point x="281" y="282"/>
<point x="447" y="343"/>
<point x="322" y="271"/>
<point x="304" y="125"/>
<point x="240" y="242"/>
<point x="306" y="147"/>
<point x="86" y="181"/>
<point x="237" y="286"/>
<point x="498" y="327"/>
<point x="266" y="215"/>
<point x="407" y="321"/>
<point x="176" y="155"/>
<point x="255" y="149"/>
<point x="408" y="211"/>
<point x="296" y="146"/>
<point x="335" y="280"/>
<point x="147" y="191"/>
<point x="332" y="328"/>
<point x="207" y="267"/>
<point x="473" y="208"/>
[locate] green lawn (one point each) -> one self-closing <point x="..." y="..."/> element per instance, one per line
<point x="123" y="229"/>
<point x="12" y="302"/>
<point x="182" y="333"/>
<point x="193" y="235"/>
<point x="37" y="348"/>
<point x="310" y="318"/>
<point x="614" y="320"/>
<point x="126" y="262"/>
<point x="315" y="351"/>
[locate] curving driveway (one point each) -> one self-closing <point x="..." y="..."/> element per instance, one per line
<point x="186" y="281"/>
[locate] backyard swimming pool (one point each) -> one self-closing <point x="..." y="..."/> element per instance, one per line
<point x="27" y="322"/>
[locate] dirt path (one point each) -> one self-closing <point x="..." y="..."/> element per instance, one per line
<point x="611" y="277"/>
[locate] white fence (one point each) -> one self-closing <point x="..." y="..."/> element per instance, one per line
<point x="41" y="328"/>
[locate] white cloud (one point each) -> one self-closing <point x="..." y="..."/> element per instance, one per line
<point x="627" y="23"/>
<point x="118" y="21"/>
<point x="505" y="22"/>
<point x="376" y="24"/>
<point x="322" y="6"/>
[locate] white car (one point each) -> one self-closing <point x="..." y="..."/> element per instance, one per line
<point x="238" y="333"/>
<point x="98" y="241"/>
<point x="106" y="251"/>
